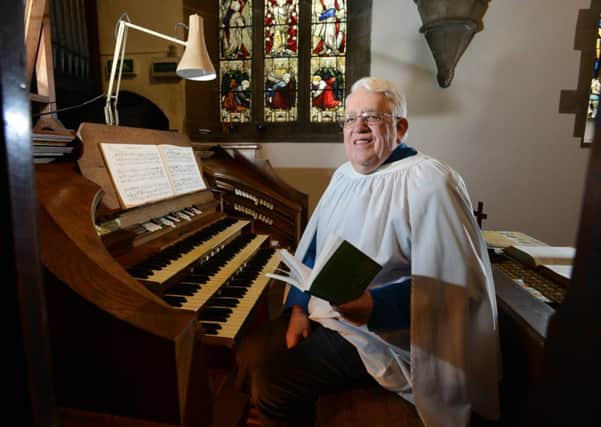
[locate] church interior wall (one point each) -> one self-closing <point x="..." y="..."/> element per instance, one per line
<point x="497" y="124"/>
<point x="161" y="16"/>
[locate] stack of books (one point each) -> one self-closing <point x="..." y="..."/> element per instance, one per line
<point x="52" y="145"/>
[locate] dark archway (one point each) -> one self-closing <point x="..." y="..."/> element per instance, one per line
<point x="135" y="110"/>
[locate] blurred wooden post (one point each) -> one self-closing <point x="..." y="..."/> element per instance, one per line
<point x="32" y="394"/>
<point x="569" y="390"/>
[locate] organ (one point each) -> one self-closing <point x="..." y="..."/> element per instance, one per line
<point x="135" y="312"/>
<point x="252" y="189"/>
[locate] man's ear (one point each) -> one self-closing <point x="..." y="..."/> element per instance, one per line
<point x="402" y="125"/>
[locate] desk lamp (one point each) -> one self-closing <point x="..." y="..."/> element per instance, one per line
<point x="194" y="65"/>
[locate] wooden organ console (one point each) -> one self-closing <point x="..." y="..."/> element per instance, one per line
<point x="253" y="190"/>
<point x="134" y="311"/>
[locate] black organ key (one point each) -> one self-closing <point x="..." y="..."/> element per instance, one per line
<point x="174" y="300"/>
<point x="223" y="302"/>
<point x="185" y="286"/>
<point x="240" y="283"/>
<point x="233" y="292"/>
<point x="196" y="285"/>
<point x="141" y="273"/>
<point x="184" y="290"/>
<point x="216" y="314"/>
<point x="196" y="278"/>
<point x="210" y="328"/>
<point x="220" y="311"/>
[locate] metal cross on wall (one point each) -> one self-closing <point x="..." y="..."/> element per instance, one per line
<point x="479" y="214"/>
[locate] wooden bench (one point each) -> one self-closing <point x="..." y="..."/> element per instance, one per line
<point x="365" y="407"/>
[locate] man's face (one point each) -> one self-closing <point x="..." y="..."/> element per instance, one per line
<point x="368" y="146"/>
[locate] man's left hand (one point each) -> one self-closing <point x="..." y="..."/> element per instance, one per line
<point x="357" y="311"/>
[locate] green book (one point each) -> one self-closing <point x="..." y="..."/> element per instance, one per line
<point x="341" y="273"/>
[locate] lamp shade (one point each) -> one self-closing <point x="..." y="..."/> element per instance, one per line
<point x="196" y="63"/>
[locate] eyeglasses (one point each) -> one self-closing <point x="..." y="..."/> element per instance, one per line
<point x="372" y="119"/>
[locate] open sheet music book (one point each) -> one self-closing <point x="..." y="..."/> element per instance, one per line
<point x="143" y="173"/>
<point x="341" y="273"/>
<point x="539" y="255"/>
<point x="555" y="262"/>
<point x="504" y="239"/>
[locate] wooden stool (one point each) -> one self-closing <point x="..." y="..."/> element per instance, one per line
<point x="365" y="407"/>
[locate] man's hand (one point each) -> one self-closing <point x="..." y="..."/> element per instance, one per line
<point x="357" y="311"/>
<point x="299" y="326"/>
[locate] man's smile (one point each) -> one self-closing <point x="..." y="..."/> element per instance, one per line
<point x="362" y="141"/>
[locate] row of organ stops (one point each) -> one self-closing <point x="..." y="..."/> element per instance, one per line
<point x="162" y="259"/>
<point x="253" y="213"/>
<point x="241" y="193"/>
<point x="171" y="219"/>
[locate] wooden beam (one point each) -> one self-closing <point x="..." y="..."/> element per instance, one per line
<point x="34" y="17"/>
<point x="44" y="67"/>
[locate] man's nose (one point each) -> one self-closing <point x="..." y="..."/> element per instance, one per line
<point x="360" y="123"/>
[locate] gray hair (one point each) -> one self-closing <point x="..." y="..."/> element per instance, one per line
<point x="388" y="89"/>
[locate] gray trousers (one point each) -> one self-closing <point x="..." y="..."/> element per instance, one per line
<point x="284" y="384"/>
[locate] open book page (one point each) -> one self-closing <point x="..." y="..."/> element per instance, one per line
<point x="538" y="255"/>
<point x="182" y="168"/>
<point x="299" y="273"/>
<point x="563" y="270"/>
<point x="504" y="239"/>
<point x="138" y="173"/>
<point x="561" y="274"/>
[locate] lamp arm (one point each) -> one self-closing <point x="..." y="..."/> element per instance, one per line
<point x="154" y="33"/>
<point x="110" y="108"/>
<point x="119" y="74"/>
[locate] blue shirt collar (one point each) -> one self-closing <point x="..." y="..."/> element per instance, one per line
<point x="401" y="152"/>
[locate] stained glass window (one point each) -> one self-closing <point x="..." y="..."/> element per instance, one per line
<point x="593" y="102"/>
<point x="281" y="60"/>
<point x="328" y="59"/>
<point x="235" y="56"/>
<point x="595" y="90"/>
<point x="280" y="89"/>
<point x="281" y="28"/>
<point x="284" y="66"/>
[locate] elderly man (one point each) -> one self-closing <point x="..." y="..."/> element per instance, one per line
<point x="426" y="328"/>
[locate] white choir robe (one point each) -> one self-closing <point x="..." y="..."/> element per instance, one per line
<point x="414" y="217"/>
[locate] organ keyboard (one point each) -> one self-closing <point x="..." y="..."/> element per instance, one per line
<point x="211" y="276"/>
<point x="266" y="261"/>
<point x="137" y="297"/>
<point x="185" y="253"/>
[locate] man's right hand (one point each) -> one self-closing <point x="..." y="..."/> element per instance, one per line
<point x="299" y="326"/>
